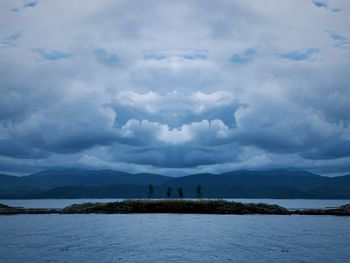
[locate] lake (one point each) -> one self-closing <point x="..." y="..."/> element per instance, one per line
<point x="174" y="237"/>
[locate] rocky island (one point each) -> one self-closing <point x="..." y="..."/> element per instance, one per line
<point x="176" y="206"/>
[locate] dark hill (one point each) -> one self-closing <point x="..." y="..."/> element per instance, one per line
<point x="115" y="184"/>
<point x="300" y="180"/>
<point x="57" y="178"/>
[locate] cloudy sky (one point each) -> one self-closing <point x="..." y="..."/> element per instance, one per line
<point x="175" y="87"/>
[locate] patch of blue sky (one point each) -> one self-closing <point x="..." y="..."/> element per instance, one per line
<point x="183" y="54"/>
<point x="10" y="41"/>
<point x="320" y="4"/>
<point x="198" y="56"/>
<point x="298" y="55"/>
<point x="324" y="4"/>
<point x="106" y="58"/>
<point x="154" y="56"/>
<point x="244" y="57"/>
<point x="30" y="4"/>
<point x="53" y="55"/>
<point x="339" y="40"/>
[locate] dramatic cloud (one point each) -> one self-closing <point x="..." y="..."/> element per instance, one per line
<point x="175" y="87"/>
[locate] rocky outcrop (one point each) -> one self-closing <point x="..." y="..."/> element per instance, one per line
<point x="343" y="210"/>
<point x="176" y="206"/>
<point x="9" y="210"/>
<point x="2" y="206"/>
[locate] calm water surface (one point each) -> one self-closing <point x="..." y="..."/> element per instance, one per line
<point x="173" y="238"/>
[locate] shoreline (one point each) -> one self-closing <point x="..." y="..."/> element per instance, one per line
<point x="175" y="207"/>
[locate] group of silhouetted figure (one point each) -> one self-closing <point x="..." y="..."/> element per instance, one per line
<point x="169" y="192"/>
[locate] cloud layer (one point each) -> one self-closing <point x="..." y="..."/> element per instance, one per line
<point x="175" y="86"/>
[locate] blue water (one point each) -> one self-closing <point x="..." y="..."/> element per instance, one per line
<point x="173" y="238"/>
<point x="287" y="203"/>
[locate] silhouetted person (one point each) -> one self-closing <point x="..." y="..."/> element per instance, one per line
<point x="168" y="192"/>
<point x="199" y="193"/>
<point x="181" y="192"/>
<point x="150" y="191"/>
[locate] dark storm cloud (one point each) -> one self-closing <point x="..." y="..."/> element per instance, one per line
<point x="175" y="156"/>
<point x="20" y="149"/>
<point x="174" y="109"/>
<point x="176" y="87"/>
<point x="331" y="149"/>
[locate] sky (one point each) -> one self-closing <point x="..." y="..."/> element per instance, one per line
<point x="175" y="87"/>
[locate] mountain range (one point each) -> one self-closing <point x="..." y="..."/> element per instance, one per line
<point x="116" y="184"/>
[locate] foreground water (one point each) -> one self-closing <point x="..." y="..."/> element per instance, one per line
<point x="173" y="238"/>
<point x="287" y="203"/>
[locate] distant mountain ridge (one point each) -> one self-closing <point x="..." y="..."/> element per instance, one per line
<point x="55" y="178"/>
<point x="75" y="183"/>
